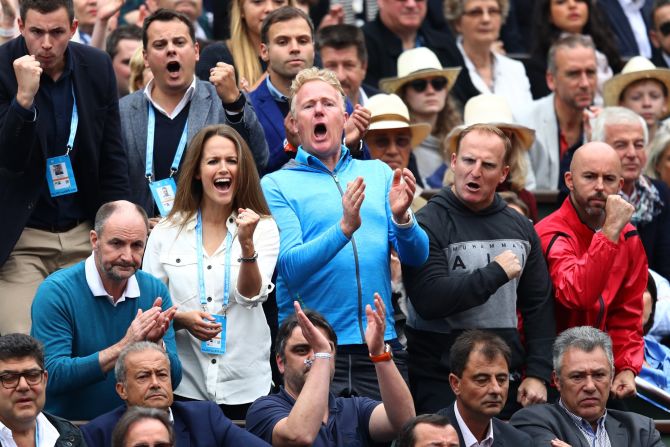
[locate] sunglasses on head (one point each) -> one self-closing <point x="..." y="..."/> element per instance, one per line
<point x="664" y="28"/>
<point x="419" y="85"/>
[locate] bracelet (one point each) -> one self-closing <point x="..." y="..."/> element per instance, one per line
<point x="384" y="356"/>
<point x="323" y="355"/>
<point x="251" y="259"/>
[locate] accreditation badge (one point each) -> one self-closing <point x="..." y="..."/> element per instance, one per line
<point x="163" y="192"/>
<point x="216" y="345"/>
<point x="60" y="176"/>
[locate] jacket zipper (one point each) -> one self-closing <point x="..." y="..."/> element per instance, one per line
<point x="358" y="271"/>
<point x="601" y="312"/>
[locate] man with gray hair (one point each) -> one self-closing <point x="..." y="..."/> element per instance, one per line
<point x="143" y="379"/>
<point x="334" y="253"/>
<point x="557" y="118"/>
<point x="583" y="373"/>
<point x="596" y="259"/>
<point x="626" y="132"/>
<point x="86" y="314"/>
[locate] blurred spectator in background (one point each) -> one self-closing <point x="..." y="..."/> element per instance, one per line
<point x="424" y="86"/>
<point x="555" y="18"/>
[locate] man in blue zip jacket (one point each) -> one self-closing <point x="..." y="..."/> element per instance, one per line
<point x="338" y="219"/>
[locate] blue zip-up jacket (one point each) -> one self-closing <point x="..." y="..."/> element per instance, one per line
<point x="318" y="266"/>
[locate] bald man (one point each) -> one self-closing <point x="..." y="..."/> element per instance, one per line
<point x="596" y="259"/>
<point x="86" y="314"/>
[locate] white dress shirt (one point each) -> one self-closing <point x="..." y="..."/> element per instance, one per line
<point x="468" y="438"/>
<point x="242" y="374"/>
<point x="47" y="435"/>
<point x="94" y="282"/>
<point x="188" y="94"/>
<point x="633" y="11"/>
<point x="509" y="80"/>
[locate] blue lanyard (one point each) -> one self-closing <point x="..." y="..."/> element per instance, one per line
<point x="151" y="129"/>
<point x="74" y="122"/>
<point x="201" y="269"/>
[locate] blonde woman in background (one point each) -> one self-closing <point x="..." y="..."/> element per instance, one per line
<point x="139" y="74"/>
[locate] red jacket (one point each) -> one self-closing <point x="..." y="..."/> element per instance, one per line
<point x="597" y="282"/>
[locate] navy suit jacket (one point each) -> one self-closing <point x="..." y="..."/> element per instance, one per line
<point x="98" y="159"/>
<point x="503" y="433"/>
<point x="272" y="121"/>
<point x="619" y="24"/>
<point x="196" y="424"/>
<point x="548" y="421"/>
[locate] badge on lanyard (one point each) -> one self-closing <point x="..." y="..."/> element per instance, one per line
<point x="60" y="175"/>
<point x="216" y="345"/>
<point x="163" y="191"/>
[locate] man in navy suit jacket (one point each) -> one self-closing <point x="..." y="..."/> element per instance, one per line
<point x="287" y="46"/>
<point x="143" y="379"/>
<point x="479" y="362"/>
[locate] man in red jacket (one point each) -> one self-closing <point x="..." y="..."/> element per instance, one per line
<point x="596" y="259"/>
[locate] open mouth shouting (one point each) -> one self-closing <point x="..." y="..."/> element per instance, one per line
<point x="173" y="69"/>
<point x="223" y="184"/>
<point x="473" y="186"/>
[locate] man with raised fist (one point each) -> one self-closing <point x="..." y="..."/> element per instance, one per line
<point x="596" y="259"/>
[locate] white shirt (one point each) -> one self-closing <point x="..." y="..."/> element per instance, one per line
<point x="509" y="80"/>
<point x="47" y="435"/>
<point x="633" y="11"/>
<point x="468" y="438"/>
<point x="242" y="374"/>
<point x="94" y="282"/>
<point x="188" y="94"/>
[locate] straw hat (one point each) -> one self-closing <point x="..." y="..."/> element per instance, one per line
<point x="637" y="68"/>
<point x="389" y="112"/>
<point x="418" y="63"/>
<point x="493" y="110"/>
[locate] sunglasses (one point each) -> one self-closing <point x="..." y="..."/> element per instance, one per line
<point x="419" y="85"/>
<point x="664" y="28"/>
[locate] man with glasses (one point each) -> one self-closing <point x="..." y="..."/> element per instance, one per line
<point x="595" y="256"/>
<point x="401" y="25"/>
<point x="391" y="137"/>
<point x="23" y="381"/>
<point x="583" y="372"/>
<point x="485" y="264"/>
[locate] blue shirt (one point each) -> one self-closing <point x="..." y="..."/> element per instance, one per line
<point x="318" y="265"/>
<point x="348" y="419"/>
<point x="75" y="326"/>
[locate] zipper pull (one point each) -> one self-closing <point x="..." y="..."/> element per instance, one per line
<point x="336" y="179"/>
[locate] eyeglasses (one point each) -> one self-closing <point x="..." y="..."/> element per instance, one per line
<point x="11" y="380"/>
<point x="419" y="85"/>
<point x="664" y="28"/>
<point x="157" y="444"/>
<point x="478" y="13"/>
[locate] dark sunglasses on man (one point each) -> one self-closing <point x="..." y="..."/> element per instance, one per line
<point x="664" y="28"/>
<point x="420" y="85"/>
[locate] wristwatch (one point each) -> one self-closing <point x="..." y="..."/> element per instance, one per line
<point x="384" y="357"/>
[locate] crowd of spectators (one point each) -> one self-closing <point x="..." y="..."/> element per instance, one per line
<point x="320" y="220"/>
